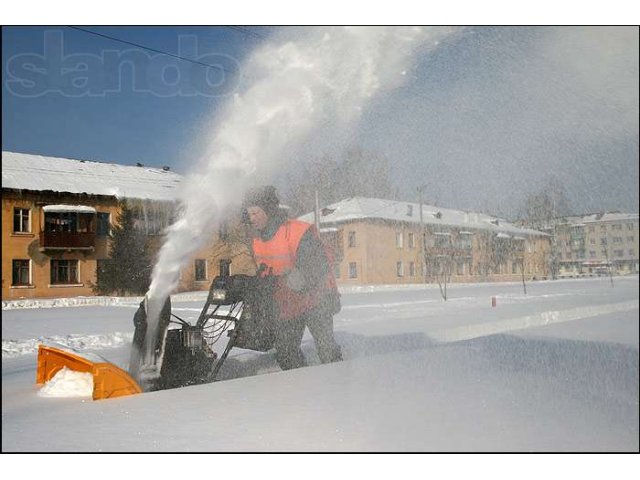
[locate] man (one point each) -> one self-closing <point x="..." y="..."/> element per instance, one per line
<point x="291" y="253"/>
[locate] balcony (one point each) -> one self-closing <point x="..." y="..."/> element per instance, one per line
<point x="447" y="251"/>
<point x="67" y="240"/>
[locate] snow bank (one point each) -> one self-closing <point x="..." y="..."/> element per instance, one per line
<point x="81" y="343"/>
<point x="197" y="296"/>
<point x="93" y="301"/>
<point x="68" y="383"/>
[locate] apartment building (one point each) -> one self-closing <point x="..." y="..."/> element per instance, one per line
<point x="379" y="241"/>
<point x="589" y="245"/>
<point x="57" y="214"/>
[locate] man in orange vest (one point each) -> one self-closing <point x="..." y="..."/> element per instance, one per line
<point x="291" y="254"/>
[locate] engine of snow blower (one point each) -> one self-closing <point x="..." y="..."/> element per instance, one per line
<point x="239" y="305"/>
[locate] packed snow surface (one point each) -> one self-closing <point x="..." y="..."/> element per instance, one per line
<point x="554" y="370"/>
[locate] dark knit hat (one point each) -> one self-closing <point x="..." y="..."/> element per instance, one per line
<point x="264" y="197"/>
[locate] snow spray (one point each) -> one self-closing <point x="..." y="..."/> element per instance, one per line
<point x="323" y="76"/>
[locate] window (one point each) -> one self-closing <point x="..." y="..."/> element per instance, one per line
<point x="442" y="240"/>
<point x="618" y="253"/>
<point x="21" y="220"/>
<point x="464" y="242"/>
<point x="592" y="241"/>
<point x="603" y="241"/>
<point x="60" y="222"/>
<point x="104" y="224"/>
<point x="630" y="238"/>
<point x="462" y="266"/>
<point x="514" y="267"/>
<point x="400" y="269"/>
<point x="352" y="240"/>
<point x="399" y="239"/>
<point x="353" y="270"/>
<point x="616" y="227"/>
<point x="592" y="229"/>
<point x="568" y="255"/>
<point x="592" y="254"/>
<point x="629" y="226"/>
<point x="21" y="272"/>
<point x="412" y="269"/>
<point x="64" y="272"/>
<point x="412" y="240"/>
<point x="336" y="270"/>
<point x="201" y="270"/>
<point x="631" y="252"/>
<point x="603" y="228"/>
<point x="617" y="239"/>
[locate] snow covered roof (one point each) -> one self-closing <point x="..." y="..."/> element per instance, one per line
<point x="361" y="208"/>
<point x="69" y="208"/>
<point x="608" y="217"/>
<point x="22" y="171"/>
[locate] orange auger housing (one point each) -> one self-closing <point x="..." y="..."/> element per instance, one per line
<point x="109" y="381"/>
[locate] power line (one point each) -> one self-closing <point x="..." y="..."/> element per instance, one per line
<point x="217" y="67"/>
<point x="245" y="30"/>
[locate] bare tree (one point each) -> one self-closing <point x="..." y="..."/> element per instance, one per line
<point x="443" y="269"/>
<point x="357" y="172"/>
<point x="542" y="210"/>
<point x="606" y="257"/>
<point x="546" y="204"/>
<point x="486" y="256"/>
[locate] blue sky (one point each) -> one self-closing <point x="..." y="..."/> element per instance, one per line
<point x="483" y="120"/>
<point x="123" y="126"/>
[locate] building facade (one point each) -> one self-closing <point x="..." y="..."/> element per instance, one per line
<point x="389" y="242"/>
<point x="57" y="215"/>
<point x="597" y="244"/>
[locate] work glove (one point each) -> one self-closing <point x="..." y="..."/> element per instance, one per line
<point x="295" y="280"/>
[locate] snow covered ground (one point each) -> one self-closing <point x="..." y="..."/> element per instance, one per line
<point x="555" y="370"/>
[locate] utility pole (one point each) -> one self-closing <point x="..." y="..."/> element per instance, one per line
<point x="424" y="235"/>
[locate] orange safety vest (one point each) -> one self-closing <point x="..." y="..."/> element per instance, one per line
<point x="279" y="255"/>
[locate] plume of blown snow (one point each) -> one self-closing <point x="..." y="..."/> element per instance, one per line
<point x="323" y="75"/>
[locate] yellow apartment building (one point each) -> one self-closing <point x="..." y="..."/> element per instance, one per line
<point x="378" y="241"/>
<point x="57" y="214"/>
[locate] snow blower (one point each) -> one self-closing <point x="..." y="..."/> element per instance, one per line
<point x="239" y="305"/>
